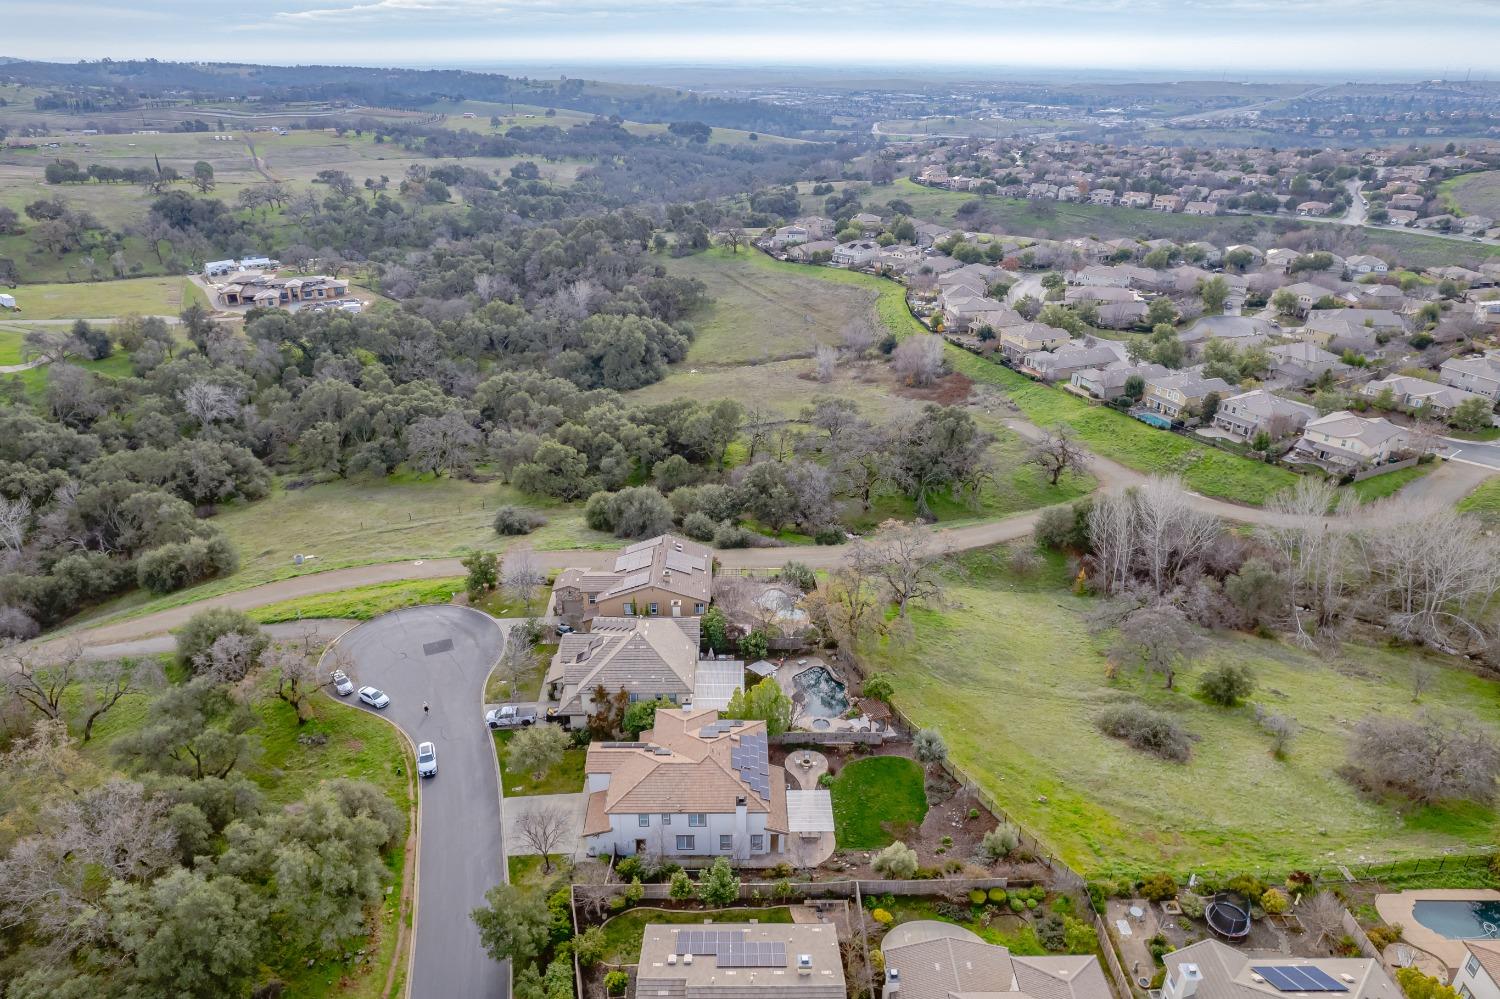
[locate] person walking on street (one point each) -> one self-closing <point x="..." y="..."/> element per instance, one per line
<point x="424" y="707"/>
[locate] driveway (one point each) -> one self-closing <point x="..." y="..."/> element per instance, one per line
<point x="442" y="655"/>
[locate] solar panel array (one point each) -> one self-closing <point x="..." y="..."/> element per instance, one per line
<point x="705" y="942"/>
<point x="682" y="562"/>
<point x="751" y="759"/>
<point x="1299" y="978"/>
<point x="715" y="729"/>
<point x="753" y="954"/>
<point x="631" y="561"/>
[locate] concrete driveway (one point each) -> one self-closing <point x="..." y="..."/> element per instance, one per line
<point x="442" y="655"/>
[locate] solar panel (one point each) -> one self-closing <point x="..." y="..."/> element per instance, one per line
<point x="700" y="943"/>
<point x="752" y="954"/>
<point x="632" y="561"/>
<point x="1299" y="978"/>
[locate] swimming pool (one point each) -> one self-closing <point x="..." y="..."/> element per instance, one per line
<point x="822" y="695"/>
<point x="1459" y="920"/>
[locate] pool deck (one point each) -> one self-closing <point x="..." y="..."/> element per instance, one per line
<point x="1398" y="908"/>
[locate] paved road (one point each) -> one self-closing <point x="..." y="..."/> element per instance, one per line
<point x="1448" y="483"/>
<point x="1483" y="453"/>
<point x="326" y="628"/>
<point x="442" y="655"/>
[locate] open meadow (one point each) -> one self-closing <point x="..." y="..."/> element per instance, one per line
<point x="1011" y="674"/>
<point x="1473" y="193"/>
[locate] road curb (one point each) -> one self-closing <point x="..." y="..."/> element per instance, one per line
<point x="415" y="853"/>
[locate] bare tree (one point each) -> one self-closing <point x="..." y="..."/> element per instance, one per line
<point x="903" y="559"/>
<point x="38" y="682"/>
<point x="1315" y="548"/>
<point x="106" y="683"/>
<point x="1170" y="532"/>
<point x="857" y="337"/>
<point x="228" y="660"/>
<point x="208" y="402"/>
<point x="918" y="360"/>
<point x="518" y="660"/>
<point x="825" y="361"/>
<point x="15" y="521"/>
<point x="544" y="830"/>
<point x="732" y="236"/>
<point x="1428" y="758"/>
<point x="1423" y="676"/>
<point x="1157" y="639"/>
<point x="52" y="345"/>
<point x="1057" y="453"/>
<point x="1112" y="539"/>
<point x="848" y="607"/>
<point x="294" y="664"/>
<point x="1322" y="915"/>
<point x="522" y="575"/>
<point x="1281" y="728"/>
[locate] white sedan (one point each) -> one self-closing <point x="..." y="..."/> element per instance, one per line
<point x="374" y="697"/>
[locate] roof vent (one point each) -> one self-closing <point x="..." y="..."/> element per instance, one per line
<point x="671" y="959"/>
<point x="804" y="964"/>
<point x="1257" y="978"/>
<point x="687" y="959"/>
<point x="1347" y="977"/>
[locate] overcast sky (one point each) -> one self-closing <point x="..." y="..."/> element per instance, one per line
<point x="1362" y="39"/>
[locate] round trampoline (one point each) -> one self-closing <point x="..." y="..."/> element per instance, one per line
<point x="1227" y="919"/>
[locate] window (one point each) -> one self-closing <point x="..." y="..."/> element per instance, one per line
<point x="630" y="610"/>
<point x="651" y="608"/>
<point x="643" y="820"/>
<point x="698" y="609"/>
<point x="634" y="698"/>
<point x="666" y="819"/>
<point x="757" y="842"/>
<point x="1463" y="990"/>
<point x="685" y="844"/>
<point x="698" y="819"/>
<point x="592" y="601"/>
<point x="726" y="842"/>
<point x="1472" y="967"/>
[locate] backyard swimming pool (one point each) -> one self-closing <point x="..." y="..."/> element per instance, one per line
<point x="823" y="696"/>
<point x="1459" y="919"/>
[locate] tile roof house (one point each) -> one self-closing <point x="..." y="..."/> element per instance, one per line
<point x="667" y="575"/>
<point x="648" y="658"/>
<point x="1018" y="341"/>
<point x="1249" y="413"/>
<point x="1479" y="374"/>
<point x="1059" y="365"/>
<point x="1342" y="441"/>
<point x="692" y="786"/>
<point x="1411" y="393"/>
<point x="1479" y="977"/>
<point x="1304" y="362"/>
<point x="1107" y="382"/>
<point x="927" y="959"/>
<point x="1212" y="970"/>
<point x="1175" y="394"/>
<point x="741" y="961"/>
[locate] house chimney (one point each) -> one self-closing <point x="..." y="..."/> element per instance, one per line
<point x="1183" y="984"/>
<point x="892" y="983"/>
<point x="742" y="827"/>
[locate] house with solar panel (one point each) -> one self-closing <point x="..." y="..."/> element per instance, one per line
<point x="741" y="961"/>
<point x="650" y="659"/>
<point x="928" y="959"/>
<point x="1213" y="970"/>
<point x="665" y="576"/>
<point x="697" y="787"/>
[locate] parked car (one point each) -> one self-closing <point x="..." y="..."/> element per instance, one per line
<point x="342" y="685"/>
<point x="426" y="760"/>
<point x="564" y="629"/>
<point x="510" y="716"/>
<point x="374" y="697"/>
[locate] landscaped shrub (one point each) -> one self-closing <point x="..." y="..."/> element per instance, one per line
<point x="1192" y="905"/>
<point x="616" y="982"/>
<point x="588" y="946"/>
<point x="781" y="890"/>
<point x="997" y="895"/>
<point x="628" y="868"/>
<point x="514" y="520"/>
<point x="634" y="892"/>
<point x="1017" y="904"/>
<point x="1274" y="901"/>
<point x="1031" y="903"/>
<point x="1149" y="731"/>
<point x="929" y="746"/>
<point x="896" y="861"/>
<point x="882" y="917"/>
<point x="1246" y="885"/>
<point x="1158" y="888"/>
<point x="1051" y="931"/>
<point x="681" y="887"/>
<point x="977" y="896"/>
<point x="718" y="886"/>
<point x="1418" y="985"/>
<point x="1383" y="936"/>
<point x="1000" y="841"/>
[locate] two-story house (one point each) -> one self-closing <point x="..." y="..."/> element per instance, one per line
<point x="1247" y="414"/>
<point x="1479" y="374"/>
<point x="667" y="576"/>
<point x="1018" y="341"/>
<point x="1343" y="441"/>
<point x="1180" y="393"/>
<point x="1414" y="393"/>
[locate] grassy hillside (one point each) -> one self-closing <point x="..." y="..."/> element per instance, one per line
<point x="1010" y="673"/>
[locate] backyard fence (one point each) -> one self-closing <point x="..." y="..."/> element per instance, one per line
<point x="763" y="891"/>
<point x="1397" y="870"/>
<point x="1370" y="473"/>
<point x="1361" y="938"/>
<point x="1124" y="988"/>
<point x="848" y="738"/>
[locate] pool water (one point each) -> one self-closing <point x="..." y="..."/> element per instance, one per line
<point x="1459" y="920"/>
<point x="822" y="695"/>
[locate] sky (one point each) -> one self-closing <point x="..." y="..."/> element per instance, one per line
<point x="1362" y="39"/>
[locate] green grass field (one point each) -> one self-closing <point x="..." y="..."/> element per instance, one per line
<point x="1011" y="675"/>
<point x="1380" y="487"/>
<point x="358" y="746"/>
<point x="1473" y="193"/>
<point x="1484" y="501"/>
<point x="152" y="296"/>
<point x="361" y="603"/>
<point x="874" y="798"/>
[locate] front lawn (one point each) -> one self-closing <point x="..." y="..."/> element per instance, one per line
<point x="565" y="778"/>
<point x="1379" y="487"/>
<point x="875" y="797"/>
<point x="623" y="934"/>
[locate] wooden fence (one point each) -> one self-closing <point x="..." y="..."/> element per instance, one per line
<point x="1124" y="988"/>
<point x="807" y="890"/>
<point x="833" y="738"/>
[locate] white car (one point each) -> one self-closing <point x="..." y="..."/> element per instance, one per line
<point x="426" y="760"/>
<point x="342" y="685"/>
<point x="374" y="697"/>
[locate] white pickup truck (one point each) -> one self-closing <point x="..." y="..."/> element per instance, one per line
<point x="510" y="716"/>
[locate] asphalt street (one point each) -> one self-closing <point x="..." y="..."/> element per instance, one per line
<point x="1486" y="453"/>
<point x="442" y="655"/>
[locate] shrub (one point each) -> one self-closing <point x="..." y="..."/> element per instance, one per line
<point x="1274" y="901"/>
<point x="1226" y="685"/>
<point x="681" y="887"/>
<point x="978" y="896"/>
<point x="1060" y="527"/>
<point x="588" y="946"/>
<point x="929" y="746"/>
<point x="801" y="576"/>
<point x="634" y="892"/>
<point x="781" y="890"/>
<point x="882" y="917"/>
<point x="699" y="526"/>
<point x="731" y="536"/>
<point x="997" y="895"/>
<point x="1158" y="888"/>
<point x="829" y="535"/>
<point x="1000" y="841"/>
<point x="1383" y="936"/>
<point x="1413" y="757"/>
<point x="1192" y="905"/>
<point x="1031" y="903"/>
<point x="1415" y="983"/>
<point x="173" y="566"/>
<point x="1149" y="731"/>
<point x="1051" y="931"/>
<point x="208" y="626"/>
<point x="718" y="885"/>
<point x="515" y="520"/>
<point x="616" y="982"/>
<point x="629" y="868"/>
<point x="896" y="861"/>
<point x="1017" y="904"/>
